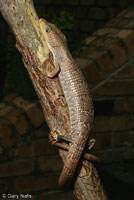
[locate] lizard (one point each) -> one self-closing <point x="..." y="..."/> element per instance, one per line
<point x="76" y="92"/>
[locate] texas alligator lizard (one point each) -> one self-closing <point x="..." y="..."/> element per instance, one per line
<point x="76" y="92"/>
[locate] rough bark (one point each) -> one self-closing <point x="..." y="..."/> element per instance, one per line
<point x="23" y="20"/>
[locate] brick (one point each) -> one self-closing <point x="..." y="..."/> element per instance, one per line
<point x="23" y="103"/>
<point x="128" y="13"/>
<point x="93" y="53"/>
<point x="98" y="43"/>
<point x="107" y="43"/>
<point x="105" y="3"/>
<point x="36" y="183"/>
<point x="88" y="40"/>
<point x="42" y="132"/>
<point x="103" y="141"/>
<point x="5" y="110"/>
<point x="123" y="139"/>
<point x="123" y="34"/>
<point x="99" y="24"/>
<point x="36" y="115"/>
<point x="19" y="121"/>
<point x="114" y="21"/>
<point x="128" y="153"/>
<point x="3" y="187"/>
<point x="130" y="25"/>
<point x="47" y="2"/>
<point x="90" y="69"/>
<point x="122" y="13"/>
<point x="32" y="110"/>
<point x="82" y="62"/>
<point x="36" y="148"/>
<point x="69" y="2"/>
<point x="57" y="196"/>
<point x="112" y="13"/>
<point x="87" y="25"/>
<point x="119" y="53"/>
<point x="1" y="150"/>
<point x="50" y="164"/>
<point x="117" y="22"/>
<point x="22" y="125"/>
<point x="106" y="63"/>
<point x="124" y="105"/>
<point x="87" y="2"/>
<point x="79" y="14"/>
<point x="103" y="45"/>
<point x="127" y="72"/>
<point x="106" y="32"/>
<point x="121" y="3"/>
<point x="129" y="40"/>
<point x="92" y="73"/>
<point x="16" y="167"/>
<point x="83" y="52"/>
<point x="76" y="26"/>
<point x="6" y="134"/>
<point x="105" y="156"/>
<point x="10" y="97"/>
<point x="111" y="155"/>
<point x="96" y="13"/>
<point x="113" y="123"/>
<point x="96" y="53"/>
<point x="2" y="105"/>
<point x="115" y="88"/>
<point x="60" y="2"/>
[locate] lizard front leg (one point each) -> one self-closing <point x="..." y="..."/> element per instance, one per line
<point x="50" y="68"/>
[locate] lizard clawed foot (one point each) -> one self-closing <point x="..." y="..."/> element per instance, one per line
<point x="53" y="138"/>
<point x="91" y="143"/>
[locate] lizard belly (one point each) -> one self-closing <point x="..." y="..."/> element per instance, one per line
<point x="81" y="115"/>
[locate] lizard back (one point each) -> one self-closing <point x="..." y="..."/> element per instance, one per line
<point x="79" y="101"/>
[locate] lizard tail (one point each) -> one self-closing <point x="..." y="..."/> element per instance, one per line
<point x="72" y="160"/>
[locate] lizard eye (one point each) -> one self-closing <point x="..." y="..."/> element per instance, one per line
<point x="48" y="30"/>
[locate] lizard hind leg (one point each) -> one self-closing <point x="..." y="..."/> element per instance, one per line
<point x="53" y="137"/>
<point x="56" y="137"/>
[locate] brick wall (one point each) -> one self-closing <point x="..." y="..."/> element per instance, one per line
<point x="89" y="15"/>
<point x="29" y="164"/>
<point x="107" y="58"/>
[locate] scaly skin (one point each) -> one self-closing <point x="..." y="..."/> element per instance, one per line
<point x="76" y="93"/>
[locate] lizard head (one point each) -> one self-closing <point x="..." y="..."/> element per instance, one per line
<point x="53" y="36"/>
